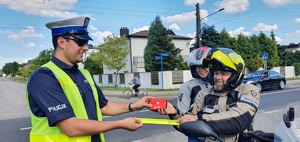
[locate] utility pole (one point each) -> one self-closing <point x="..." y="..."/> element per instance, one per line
<point x="198" y="27"/>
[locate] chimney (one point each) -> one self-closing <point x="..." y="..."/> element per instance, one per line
<point x="124" y="31"/>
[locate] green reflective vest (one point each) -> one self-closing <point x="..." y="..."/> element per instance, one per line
<point x="41" y="132"/>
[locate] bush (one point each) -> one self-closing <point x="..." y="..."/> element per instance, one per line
<point x="297" y="68"/>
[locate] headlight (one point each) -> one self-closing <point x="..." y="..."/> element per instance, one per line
<point x="248" y="82"/>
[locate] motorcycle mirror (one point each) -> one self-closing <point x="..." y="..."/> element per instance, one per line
<point x="291" y="114"/>
<point x="198" y="129"/>
<point x="288" y="117"/>
<point x="286" y="120"/>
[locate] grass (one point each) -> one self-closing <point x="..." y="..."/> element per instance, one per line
<point x="18" y="79"/>
<point x="293" y="78"/>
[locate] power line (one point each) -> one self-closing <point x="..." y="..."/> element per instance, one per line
<point x="142" y="13"/>
<point x="105" y="8"/>
<point x="139" y="6"/>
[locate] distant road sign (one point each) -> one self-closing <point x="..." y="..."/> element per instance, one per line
<point x="165" y="54"/>
<point x="157" y="57"/>
<point x="264" y="56"/>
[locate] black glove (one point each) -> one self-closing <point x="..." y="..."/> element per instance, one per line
<point x="256" y="136"/>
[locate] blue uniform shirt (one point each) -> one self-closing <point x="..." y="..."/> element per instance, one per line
<point x="45" y="93"/>
<point x="136" y="81"/>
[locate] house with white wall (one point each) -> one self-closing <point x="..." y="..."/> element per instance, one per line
<point x="87" y="54"/>
<point x="137" y="43"/>
<point x="293" y="47"/>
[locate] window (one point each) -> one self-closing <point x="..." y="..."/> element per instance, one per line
<point x="177" y="77"/>
<point x="273" y="73"/>
<point x="138" y="59"/>
<point x="122" y="78"/>
<point x="154" y="78"/>
<point x="110" y="80"/>
<point x="100" y="78"/>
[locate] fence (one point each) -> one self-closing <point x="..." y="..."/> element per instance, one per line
<point x="171" y="79"/>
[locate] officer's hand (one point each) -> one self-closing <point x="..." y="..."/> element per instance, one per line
<point x="130" y="124"/>
<point x="169" y="110"/>
<point x="187" y="118"/>
<point x="142" y="103"/>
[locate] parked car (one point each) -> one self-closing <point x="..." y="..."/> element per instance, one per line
<point x="266" y="79"/>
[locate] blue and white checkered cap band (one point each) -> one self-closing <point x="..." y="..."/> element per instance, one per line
<point x="66" y="30"/>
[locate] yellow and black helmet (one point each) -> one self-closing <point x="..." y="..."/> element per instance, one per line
<point x="226" y="59"/>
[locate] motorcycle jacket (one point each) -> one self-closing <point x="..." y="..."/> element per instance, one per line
<point x="187" y="93"/>
<point x="228" y="114"/>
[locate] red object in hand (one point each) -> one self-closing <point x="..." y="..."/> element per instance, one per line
<point x="157" y="103"/>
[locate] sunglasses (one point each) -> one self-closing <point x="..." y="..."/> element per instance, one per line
<point x="79" y="42"/>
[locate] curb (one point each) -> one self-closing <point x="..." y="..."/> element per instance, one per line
<point x="292" y="82"/>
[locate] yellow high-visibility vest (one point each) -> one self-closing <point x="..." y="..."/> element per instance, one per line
<point x="41" y="132"/>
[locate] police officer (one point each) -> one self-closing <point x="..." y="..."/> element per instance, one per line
<point x="188" y="90"/>
<point x="228" y="107"/>
<point x="65" y="102"/>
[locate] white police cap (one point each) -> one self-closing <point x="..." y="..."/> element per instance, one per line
<point x="76" y="27"/>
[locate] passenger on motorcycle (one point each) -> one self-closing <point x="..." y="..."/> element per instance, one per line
<point x="189" y="89"/>
<point x="228" y="107"/>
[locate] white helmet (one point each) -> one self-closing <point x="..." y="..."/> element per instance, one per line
<point x="196" y="59"/>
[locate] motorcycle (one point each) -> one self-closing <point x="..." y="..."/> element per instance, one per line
<point x="286" y="131"/>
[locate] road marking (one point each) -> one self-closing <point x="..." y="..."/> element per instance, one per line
<point x="280" y="91"/>
<point x="26" y="128"/>
<point x="272" y="111"/>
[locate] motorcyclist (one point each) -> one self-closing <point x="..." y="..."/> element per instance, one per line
<point x="189" y="89"/>
<point x="228" y="107"/>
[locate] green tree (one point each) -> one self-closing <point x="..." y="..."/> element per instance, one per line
<point x="255" y="44"/>
<point x="93" y="66"/>
<point x="113" y="53"/>
<point x="272" y="35"/>
<point x="23" y="72"/>
<point x="283" y="55"/>
<point x="244" y="48"/>
<point x="11" y="68"/>
<point x="210" y="36"/>
<point x="182" y="65"/>
<point x="159" y="42"/>
<point x="293" y="57"/>
<point x="297" y="68"/>
<point x="227" y="41"/>
<point x="255" y="63"/>
<point x="43" y="57"/>
<point x="255" y="60"/>
<point x="267" y="45"/>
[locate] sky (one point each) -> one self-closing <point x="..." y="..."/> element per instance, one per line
<point x="23" y="34"/>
